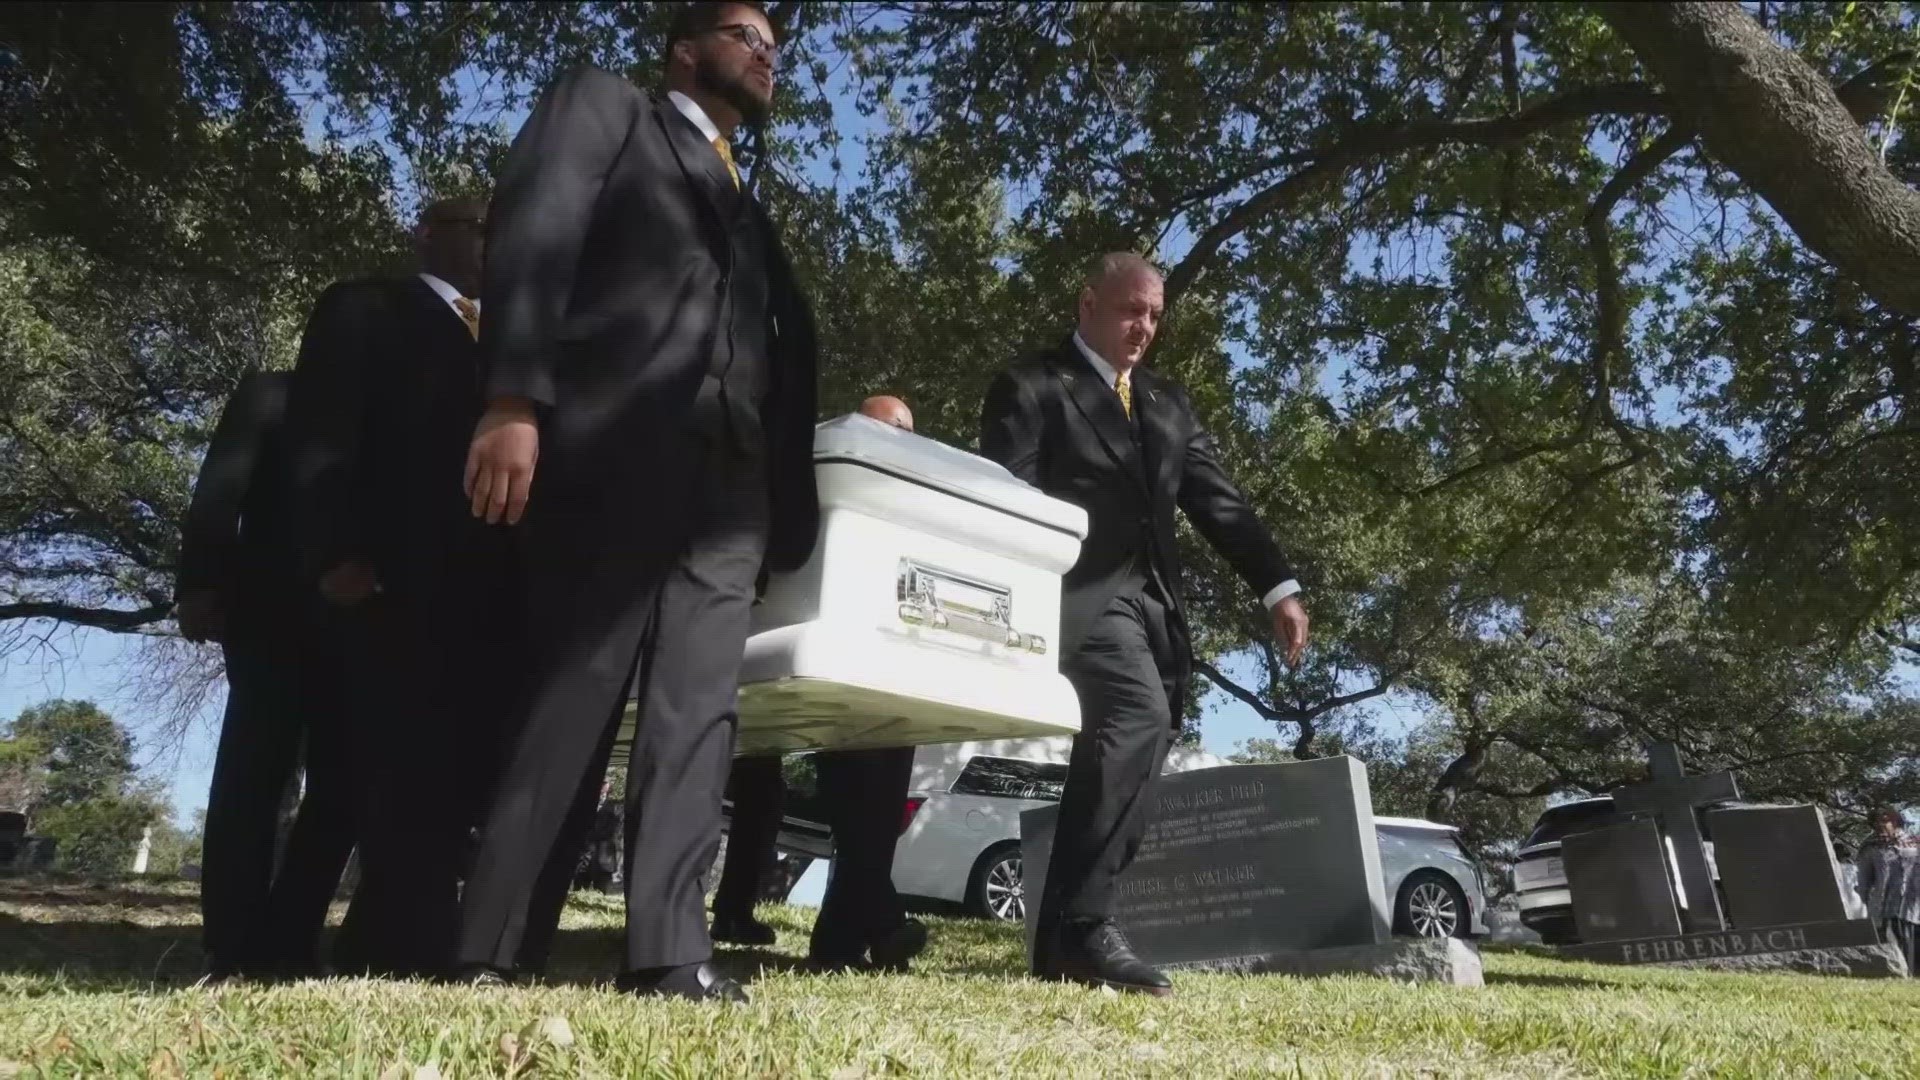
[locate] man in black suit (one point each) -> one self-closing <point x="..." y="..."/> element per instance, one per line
<point x="862" y="922"/>
<point x="1083" y="422"/>
<point x="384" y="398"/>
<point x="646" y="342"/>
<point x="239" y="584"/>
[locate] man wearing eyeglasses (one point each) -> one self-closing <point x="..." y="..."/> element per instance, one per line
<point x="649" y="368"/>
<point x="382" y="401"/>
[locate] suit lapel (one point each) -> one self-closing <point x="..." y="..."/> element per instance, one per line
<point x="1099" y="406"/>
<point x="1159" y="429"/>
<point x="700" y="162"/>
<point x="443" y="316"/>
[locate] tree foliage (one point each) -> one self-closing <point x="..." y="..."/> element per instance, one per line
<point x="1537" y="389"/>
<point x="72" y="752"/>
<point x="69" y="766"/>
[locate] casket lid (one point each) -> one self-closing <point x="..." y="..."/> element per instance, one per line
<point x="859" y="440"/>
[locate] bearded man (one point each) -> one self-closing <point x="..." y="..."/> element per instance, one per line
<point x="646" y="344"/>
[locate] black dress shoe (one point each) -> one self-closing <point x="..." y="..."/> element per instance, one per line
<point x="888" y="951"/>
<point x="892" y="949"/>
<point x="741" y="930"/>
<point x="480" y="975"/>
<point x="699" y="982"/>
<point x="1096" y="953"/>
<point x="216" y="973"/>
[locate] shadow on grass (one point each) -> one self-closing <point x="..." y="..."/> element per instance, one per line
<point x="104" y="956"/>
<point x="96" y="955"/>
<point x="1558" y="982"/>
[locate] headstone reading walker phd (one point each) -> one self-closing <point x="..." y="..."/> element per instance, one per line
<point x="1258" y="868"/>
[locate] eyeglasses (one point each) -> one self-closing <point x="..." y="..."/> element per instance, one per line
<point x="749" y="35"/>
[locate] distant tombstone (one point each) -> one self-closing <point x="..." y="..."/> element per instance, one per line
<point x="13" y="838"/>
<point x="1776" y="865"/>
<point x="1617" y="875"/>
<point x="1257" y="868"/>
<point x="144" y="851"/>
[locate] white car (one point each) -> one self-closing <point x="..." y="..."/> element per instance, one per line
<point x="960" y="839"/>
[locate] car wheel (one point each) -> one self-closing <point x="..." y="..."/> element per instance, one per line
<point x="995" y="889"/>
<point x="1431" y="906"/>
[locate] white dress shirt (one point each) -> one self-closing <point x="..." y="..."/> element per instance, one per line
<point x="449" y="294"/>
<point x="1111" y="377"/>
<point x="691" y="109"/>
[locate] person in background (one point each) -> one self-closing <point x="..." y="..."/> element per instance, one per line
<point x="1084" y="422"/>
<point x="600" y="862"/>
<point x="384" y="398"/>
<point x="650" y="386"/>
<point x="239" y="584"/>
<point x="1888" y="867"/>
<point x="862" y="921"/>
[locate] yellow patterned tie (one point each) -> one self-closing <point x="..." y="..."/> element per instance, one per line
<point x="469" y="314"/>
<point x="1123" y="385"/>
<point x="726" y="155"/>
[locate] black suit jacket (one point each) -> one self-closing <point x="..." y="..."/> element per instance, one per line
<point x="381" y="413"/>
<point x="607" y="261"/>
<point x="239" y="535"/>
<point x="1053" y="422"/>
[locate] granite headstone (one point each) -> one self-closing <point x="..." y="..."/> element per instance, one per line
<point x="1776" y="866"/>
<point x="1241" y="860"/>
<point x="1618" y="877"/>
<point x="1645" y="891"/>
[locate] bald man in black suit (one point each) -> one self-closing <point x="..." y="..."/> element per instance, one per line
<point x="862" y="923"/>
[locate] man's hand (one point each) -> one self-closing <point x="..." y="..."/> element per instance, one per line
<point x="1290" y="628"/>
<point x="506" y="443"/>
<point x="201" y="615"/>
<point x="348" y="584"/>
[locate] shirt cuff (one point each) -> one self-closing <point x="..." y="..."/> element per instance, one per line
<point x="1280" y="592"/>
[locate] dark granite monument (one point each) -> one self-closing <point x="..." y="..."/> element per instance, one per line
<point x="1644" y="889"/>
<point x="1674" y="800"/>
<point x="1618" y="875"/>
<point x="1776" y="865"/>
<point x="1259" y="868"/>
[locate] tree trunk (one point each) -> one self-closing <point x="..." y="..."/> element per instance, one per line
<point x="1776" y="122"/>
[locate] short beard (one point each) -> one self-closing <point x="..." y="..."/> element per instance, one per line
<point x="736" y="92"/>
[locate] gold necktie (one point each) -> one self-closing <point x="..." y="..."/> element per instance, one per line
<point x="1123" y="385"/>
<point x="726" y="155"/>
<point x="469" y="314"/>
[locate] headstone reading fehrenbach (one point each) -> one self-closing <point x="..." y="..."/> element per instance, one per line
<point x="1644" y="890"/>
<point x="1259" y="868"/>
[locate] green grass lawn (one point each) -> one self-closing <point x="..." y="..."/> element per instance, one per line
<point x="98" y="980"/>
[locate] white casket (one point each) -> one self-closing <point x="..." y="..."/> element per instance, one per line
<point x="929" y="613"/>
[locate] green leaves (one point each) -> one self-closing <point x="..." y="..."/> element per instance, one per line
<point x="1386" y="298"/>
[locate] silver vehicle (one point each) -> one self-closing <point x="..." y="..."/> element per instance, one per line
<point x="1436" y="886"/>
